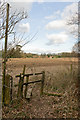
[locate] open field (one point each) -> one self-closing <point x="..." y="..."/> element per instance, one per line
<point x="15" y="65"/>
<point x="60" y="77"/>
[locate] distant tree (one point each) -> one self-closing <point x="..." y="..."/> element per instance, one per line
<point x="43" y="55"/>
<point x="14" y="52"/>
<point x="48" y="55"/>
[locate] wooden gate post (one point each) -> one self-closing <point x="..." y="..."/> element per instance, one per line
<point x="22" y="79"/>
<point x="11" y="87"/>
<point x="7" y="97"/>
<point x="5" y="55"/>
<point x="19" y="87"/>
<point x="42" y="83"/>
<point x="26" y="87"/>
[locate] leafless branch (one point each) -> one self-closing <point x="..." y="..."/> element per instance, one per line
<point x="14" y="18"/>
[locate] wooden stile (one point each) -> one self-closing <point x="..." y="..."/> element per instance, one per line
<point x="28" y="92"/>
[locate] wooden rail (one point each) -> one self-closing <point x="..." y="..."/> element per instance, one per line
<point x="21" y="83"/>
<point x="29" y="74"/>
<point x="32" y="82"/>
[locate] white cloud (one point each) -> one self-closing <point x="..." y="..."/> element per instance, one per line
<point x="56" y="24"/>
<point x="18" y="6"/>
<point x="50" y="17"/>
<point x="24" y="27"/>
<point x="39" y="50"/>
<point x="67" y="15"/>
<point x="53" y="16"/>
<point x="70" y="11"/>
<point x="58" y="38"/>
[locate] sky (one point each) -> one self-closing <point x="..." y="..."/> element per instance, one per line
<point x="48" y="20"/>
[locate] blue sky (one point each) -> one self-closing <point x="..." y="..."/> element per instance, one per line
<point x="48" y="19"/>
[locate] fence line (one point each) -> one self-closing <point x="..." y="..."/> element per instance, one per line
<point x="21" y="83"/>
<point x="9" y="85"/>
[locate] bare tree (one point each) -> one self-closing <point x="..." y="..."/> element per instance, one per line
<point x="14" y="18"/>
<point x="19" y="39"/>
<point x="74" y="22"/>
<point x="76" y="47"/>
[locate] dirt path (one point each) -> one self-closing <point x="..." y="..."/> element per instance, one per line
<point x="41" y="107"/>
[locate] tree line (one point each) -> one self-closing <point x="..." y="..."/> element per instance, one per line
<point x="18" y="53"/>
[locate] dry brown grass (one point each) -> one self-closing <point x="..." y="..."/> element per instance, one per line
<point x="60" y="77"/>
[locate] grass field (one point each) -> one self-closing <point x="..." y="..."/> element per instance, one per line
<point x="60" y="78"/>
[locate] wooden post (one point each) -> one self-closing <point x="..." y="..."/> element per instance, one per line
<point x="7" y="97"/>
<point x="24" y="69"/>
<point x="5" y="55"/>
<point x="42" y="83"/>
<point x="71" y="68"/>
<point x="19" y="87"/>
<point x="26" y="87"/>
<point x="23" y="80"/>
<point x="11" y="87"/>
